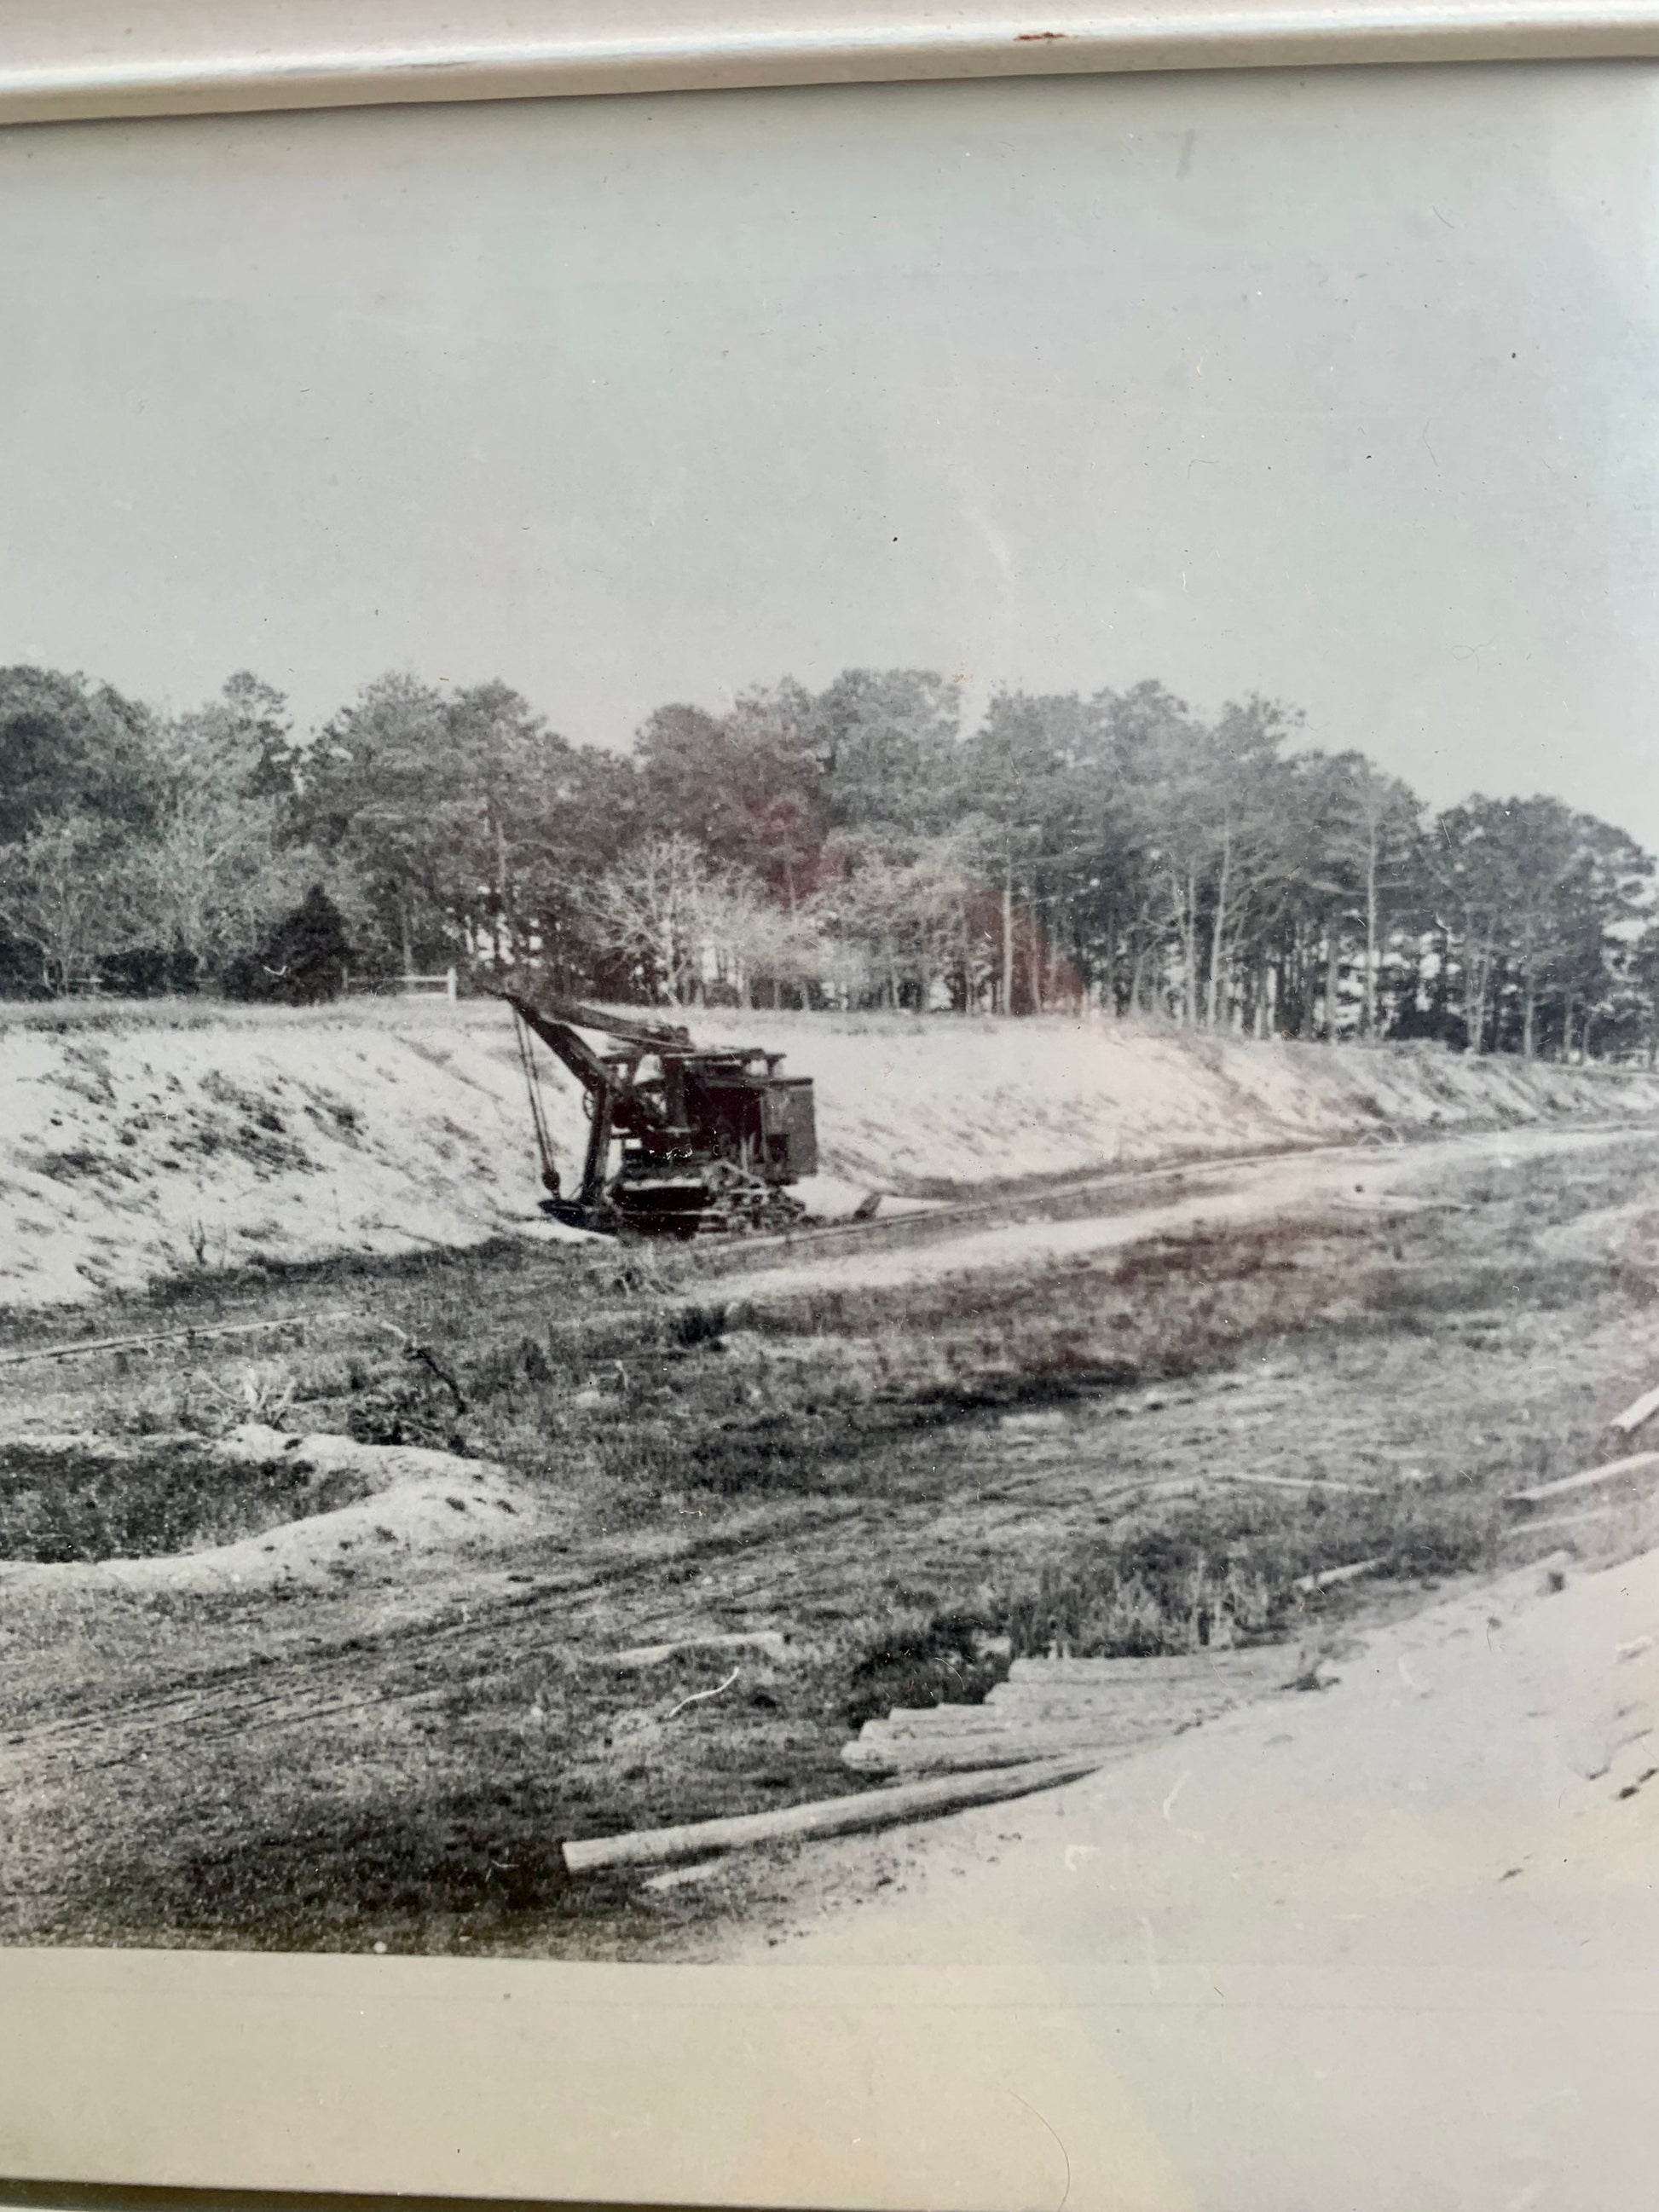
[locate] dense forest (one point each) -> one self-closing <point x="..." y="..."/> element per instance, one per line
<point x="853" y="847"/>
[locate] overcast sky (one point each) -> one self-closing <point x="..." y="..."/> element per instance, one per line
<point x="1342" y="387"/>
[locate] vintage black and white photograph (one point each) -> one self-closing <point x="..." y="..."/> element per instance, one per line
<point x="830" y="1027"/>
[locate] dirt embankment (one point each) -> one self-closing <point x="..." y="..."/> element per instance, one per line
<point x="143" y="1144"/>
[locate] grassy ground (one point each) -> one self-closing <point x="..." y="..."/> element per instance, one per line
<point x="149" y="1499"/>
<point x="911" y="1484"/>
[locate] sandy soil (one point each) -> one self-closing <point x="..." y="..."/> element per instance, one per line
<point x="152" y="1144"/>
<point x="1400" y="1930"/>
<point x="1478" y="1786"/>
<point x="416" y="1502"/>
<point x="1398" y="1937"/>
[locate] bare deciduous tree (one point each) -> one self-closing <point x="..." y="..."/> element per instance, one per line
<point x="212" y="879"/>
<point x="897" y="913"/>
<point x="644" y="908"/>
<point x="69" y="888"/>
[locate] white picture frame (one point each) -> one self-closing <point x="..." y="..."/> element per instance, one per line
<point x="100" y="58"/>
<point x="776" y="2086"/>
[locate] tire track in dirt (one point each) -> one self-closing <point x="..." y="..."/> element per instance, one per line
<point x="219" y="1691"/>
<point x="219" y="1707"/>
<point x="221" y="1694"/>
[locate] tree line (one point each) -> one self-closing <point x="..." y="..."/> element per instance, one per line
<point x="853" y="847"/>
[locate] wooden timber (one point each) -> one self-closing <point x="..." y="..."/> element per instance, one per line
<point x="1052" y="1708"/>
<point x="832" y="1816"/>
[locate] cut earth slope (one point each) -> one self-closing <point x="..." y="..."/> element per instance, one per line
<point x="141" y="1144"/>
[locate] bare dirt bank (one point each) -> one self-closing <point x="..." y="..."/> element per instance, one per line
<point x="145" y="1143"/>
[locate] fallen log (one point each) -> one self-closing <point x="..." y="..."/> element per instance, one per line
<point x="1613" y="1476"/>
<point x="831" y="1816"/>
<point x="1633" y="1416"/>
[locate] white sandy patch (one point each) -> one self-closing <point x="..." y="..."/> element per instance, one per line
<point x="1472" y="1779"/>
<point x="136" y="1152"/>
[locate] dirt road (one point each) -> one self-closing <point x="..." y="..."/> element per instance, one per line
<point x="1117" y="1211"/>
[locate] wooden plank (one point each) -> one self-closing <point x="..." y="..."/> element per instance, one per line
<point x="832" y="1816"/>
<point x="987" y="1755"/>
<point x="1135" y="1688"/>
<point x="1086" y="1712"/>
<point x="1177" y="1666"/>
<point x="1042" y="1734"/>
<point x="1039" y="1716"/>
<point x="919" y="1761"/>
<point x="767" y="1640"/>
<point x="1085" y="1706"/>
<point x="1614" y="1474"/>
<point x="1034" y="1739"/>
<point x="1086" y="1697"/>
<point x="970" y="1755"/>
<point x="1083" y="1727"/>
<point x="1633" y="1416"/>
<point x="1333" y="1577"/>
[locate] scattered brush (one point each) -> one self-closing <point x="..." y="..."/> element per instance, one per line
<point x="268" y="1392"/>
<point x="918" y="1657"/>
<point x="1212" y="1579"/>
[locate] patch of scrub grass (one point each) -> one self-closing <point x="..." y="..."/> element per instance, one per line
<point x="59" y="1505"/>
<point x="1221" y="1574"/>
<point x="444" y="1830"/>
<point x="919" y="1657"/>
<point x="1229" y="1573"/>
<point x="416" y="1869"/>
<point x="838" y="1467"/>
<point x="739" y="1402"/>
